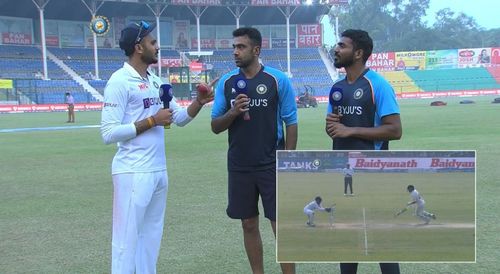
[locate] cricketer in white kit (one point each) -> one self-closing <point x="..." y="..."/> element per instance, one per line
<point x="419" y="201"/>
<point x="133" y="117"/>
<point x="311" y="207"/>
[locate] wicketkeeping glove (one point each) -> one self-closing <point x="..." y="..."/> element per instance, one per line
<point x="328" y="209"/>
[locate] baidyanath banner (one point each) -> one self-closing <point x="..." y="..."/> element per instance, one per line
<point x="413" y="163"/>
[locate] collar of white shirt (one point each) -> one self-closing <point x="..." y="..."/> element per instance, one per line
<point x="131" y="70"/>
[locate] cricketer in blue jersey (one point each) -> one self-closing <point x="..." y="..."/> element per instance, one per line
<point x="368" y="113"/>
<point x="256" y="104"/>
<point x="364" y="114"/>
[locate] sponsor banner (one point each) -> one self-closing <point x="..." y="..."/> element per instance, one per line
<point x="265" y="43"/>
<point x="410" y="60"/>
<point x="16" y="38"/>
<point x="52" y="40"/>
<point x="412" y="163"/>
<point x="197" y="2"/>
<point x="275" y="3"/>
<point x="224" y="43"/>
<point x="495" y="56"/>
<point x="299" y="165"/>
<point x="441" y="59"/>
<point x="205" y="43"/>
<point x="470" y="58"/>
<point x="281" y="43"/>
<point x="51" y="32"/>
<point x="171" y="63"/>
<point x="333" y="2"/>
<point x="63" y="107"/>
<point x="384" y="61"/>
<point x="195" y="66"/>
<point x="457" y="93"/>
<point x="309" y="35"/>
<point x="48" y="107"/>
<point x="6" y="83"/>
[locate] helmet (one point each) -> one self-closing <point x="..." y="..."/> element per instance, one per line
<point x="410" y="188"/>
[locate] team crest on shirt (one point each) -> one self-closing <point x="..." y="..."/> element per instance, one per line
<point x="156" y="85"/>
<point x="358" y="93"/>
<point x="241" y="84"/>
<point x="261" y="89"/>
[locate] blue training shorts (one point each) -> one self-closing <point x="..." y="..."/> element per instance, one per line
<point x="244" y="189"/>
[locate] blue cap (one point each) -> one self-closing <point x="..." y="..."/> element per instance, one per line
<point x="134" y="32"/>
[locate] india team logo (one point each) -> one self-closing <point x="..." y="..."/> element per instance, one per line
<point x="337" y="96"/>
<point x="261" y="89"/>
<point x="99" y="25"/>
<point x="358" y="93"/>
<point x="241" y="84"/>
<point x="316" y="163"/>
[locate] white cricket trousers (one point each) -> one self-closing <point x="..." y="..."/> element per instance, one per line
<point x="310" y="215"/>
<point x="139" y="203"/>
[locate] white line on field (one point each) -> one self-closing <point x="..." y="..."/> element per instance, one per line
<point x="364" y="228"/>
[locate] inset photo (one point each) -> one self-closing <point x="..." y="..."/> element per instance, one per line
<point x="376" y="206"/>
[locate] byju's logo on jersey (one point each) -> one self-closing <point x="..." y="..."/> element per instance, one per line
<point x="358" y="93"/>
<point x="148" y="102"/>
<point x="261" y="89"/>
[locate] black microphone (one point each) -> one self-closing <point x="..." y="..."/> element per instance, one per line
<point x="166" y="96"/>
<point x="335" y="99"/>
<point x="240" y="86"/>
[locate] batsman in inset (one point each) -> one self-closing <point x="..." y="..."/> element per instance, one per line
<point x="419" y="201"/>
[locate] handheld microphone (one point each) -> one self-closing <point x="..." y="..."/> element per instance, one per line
<point x="240" y="85"/>
<point x="166" y="96"/>
<point x="335" y="99"/>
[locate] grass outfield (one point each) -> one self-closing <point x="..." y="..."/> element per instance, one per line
<point x="449" y="195"/>
<point x="56" y="192"/>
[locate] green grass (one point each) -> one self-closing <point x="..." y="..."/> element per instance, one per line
<point x="450" y="196"/>
<point x="56" y="192"/>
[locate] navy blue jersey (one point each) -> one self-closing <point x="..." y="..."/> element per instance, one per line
<point x="253" y="143"/>
<point x="364" y="103"/>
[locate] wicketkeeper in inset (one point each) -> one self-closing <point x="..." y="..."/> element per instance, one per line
<point x="311" y="207"/>
<point x="419" y="201"/>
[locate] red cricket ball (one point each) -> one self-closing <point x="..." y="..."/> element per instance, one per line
<point x="202" y="88"/>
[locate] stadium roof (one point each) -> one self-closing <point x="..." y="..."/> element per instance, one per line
<point x="214" y="15"/>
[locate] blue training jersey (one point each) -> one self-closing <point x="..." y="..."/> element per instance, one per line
<point x="253" y="143"/>
<point x="364" y="103"/>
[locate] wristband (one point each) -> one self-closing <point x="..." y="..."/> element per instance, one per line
<point x="151" y="122"/>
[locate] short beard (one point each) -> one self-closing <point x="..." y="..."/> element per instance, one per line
<point x="149" y="59"/>
<point x="345" y="64"/>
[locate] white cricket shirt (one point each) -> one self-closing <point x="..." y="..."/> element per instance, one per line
<point x="415" y="196"/>
<point x="129" y="98"/>
<point x="313" y="206"/>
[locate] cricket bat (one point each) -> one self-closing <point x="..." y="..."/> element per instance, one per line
<point x="401" y="211"/>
